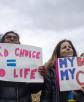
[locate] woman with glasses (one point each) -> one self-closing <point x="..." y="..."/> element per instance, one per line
<point x="16" y="91"/>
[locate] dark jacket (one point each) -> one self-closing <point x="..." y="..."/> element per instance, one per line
<point x="51" y="93"/>
<point x="17" y="92"/>
<point x="79" y="96"/>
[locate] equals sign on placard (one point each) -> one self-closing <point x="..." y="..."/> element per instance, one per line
<point x="11" y="62"/>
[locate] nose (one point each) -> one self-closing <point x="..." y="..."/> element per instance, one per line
<point x="68" y="49"/>
<point x="12" y="38"/>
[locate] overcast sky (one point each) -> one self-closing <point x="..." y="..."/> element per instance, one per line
<point x="44" y="23"/>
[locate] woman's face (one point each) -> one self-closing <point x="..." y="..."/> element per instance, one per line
<point x="11" y="38"/>
<point x="66" y="50"/>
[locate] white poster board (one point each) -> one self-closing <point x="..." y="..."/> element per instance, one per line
<point x="71" y="73"/>
<point x="19" y="63"/>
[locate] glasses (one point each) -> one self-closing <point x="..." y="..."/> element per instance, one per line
<point x="9" y="37"/>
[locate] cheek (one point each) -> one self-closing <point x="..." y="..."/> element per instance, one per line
<point x="6" y="40"/>
<point x="71" y="50"/>
<point x="62" y="52"/>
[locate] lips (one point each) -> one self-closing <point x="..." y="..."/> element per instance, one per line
<point x="67" y="54"/>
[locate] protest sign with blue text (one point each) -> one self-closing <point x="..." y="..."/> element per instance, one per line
<point x="71" y="73"/>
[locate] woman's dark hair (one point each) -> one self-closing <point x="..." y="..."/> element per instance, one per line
<point x="3" y="38"/>
<point x="56" y="52"/>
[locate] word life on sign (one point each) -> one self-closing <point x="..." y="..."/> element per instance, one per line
<point x="19" y="63"/>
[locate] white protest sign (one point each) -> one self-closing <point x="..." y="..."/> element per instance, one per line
<point x="71" y="73"/>
<point x="19" y="63"/>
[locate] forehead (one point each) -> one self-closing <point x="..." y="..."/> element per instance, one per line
<point x="11" y="34"/>
<point x="65" y="43"/>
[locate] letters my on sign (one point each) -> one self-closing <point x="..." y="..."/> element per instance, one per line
<point x="71" y="73"/>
